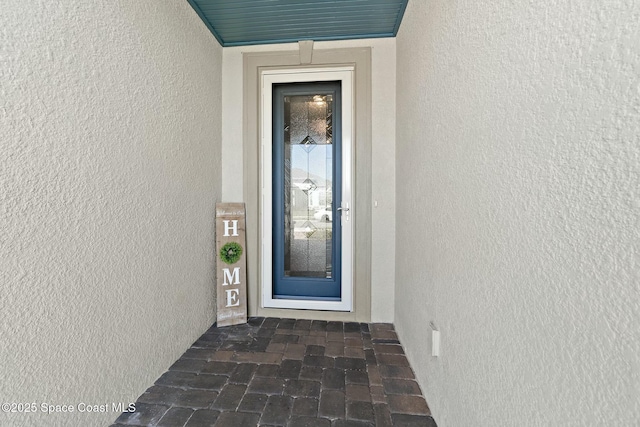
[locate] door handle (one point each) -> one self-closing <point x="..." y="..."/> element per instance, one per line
<point x="345" y="210"/>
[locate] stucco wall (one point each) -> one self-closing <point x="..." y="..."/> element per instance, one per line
<point x="518" y="209"/>
<point x="383" y="152"/>
<point x="109" y="170"/>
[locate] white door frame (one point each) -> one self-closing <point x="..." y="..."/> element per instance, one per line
<point x="292" y="75"/>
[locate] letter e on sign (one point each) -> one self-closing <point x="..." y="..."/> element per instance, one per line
<point x="232" y="298"/>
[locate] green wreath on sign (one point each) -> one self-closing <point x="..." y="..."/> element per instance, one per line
<point x="230" y="253"/>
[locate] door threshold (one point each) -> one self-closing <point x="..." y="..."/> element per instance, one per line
<point x="305" y="298"/>
<point x="306" y="303"/>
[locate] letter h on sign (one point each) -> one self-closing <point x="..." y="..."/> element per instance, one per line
<point x="233" y="228"/>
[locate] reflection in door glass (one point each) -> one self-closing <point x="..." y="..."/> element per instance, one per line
<point x="308" y="172"/>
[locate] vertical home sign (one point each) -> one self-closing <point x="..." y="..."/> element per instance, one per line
<point x="232" y="264"/>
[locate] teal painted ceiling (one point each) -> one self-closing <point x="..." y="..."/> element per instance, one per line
<point x="248" y="22"/>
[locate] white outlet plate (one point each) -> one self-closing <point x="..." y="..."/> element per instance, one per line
<point x="435" y="343"/>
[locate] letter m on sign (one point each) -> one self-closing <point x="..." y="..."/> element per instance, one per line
<point x="231" y="278"/>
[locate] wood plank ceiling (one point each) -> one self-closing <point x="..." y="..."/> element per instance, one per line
<point x="249" y="22"/>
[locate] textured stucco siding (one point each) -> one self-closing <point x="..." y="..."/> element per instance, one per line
<point x="518" y="209"/>
<point x="109" y="170"/>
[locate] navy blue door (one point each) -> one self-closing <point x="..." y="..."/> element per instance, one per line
<point x="307" y="191"/>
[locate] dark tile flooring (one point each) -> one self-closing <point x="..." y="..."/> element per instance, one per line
<point x="287" y="372"/>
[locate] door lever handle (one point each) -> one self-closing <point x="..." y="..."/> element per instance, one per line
<point x="344" y="209"/>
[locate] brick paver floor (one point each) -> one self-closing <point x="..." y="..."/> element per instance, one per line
<point x="287" y="372"/>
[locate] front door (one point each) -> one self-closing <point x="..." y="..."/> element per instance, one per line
<point x="307" y="191"/>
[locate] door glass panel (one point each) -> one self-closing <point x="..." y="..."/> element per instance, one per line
<point x="308" y="175"/>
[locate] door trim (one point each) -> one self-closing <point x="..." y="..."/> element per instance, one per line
<point x="268" y="78"/>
